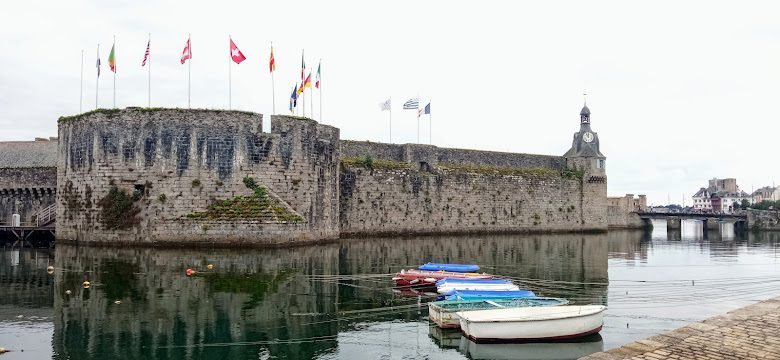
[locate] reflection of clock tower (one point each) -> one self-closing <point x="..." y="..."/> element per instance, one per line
<point x="584" y="153"/>
<point x="585" y="156"/>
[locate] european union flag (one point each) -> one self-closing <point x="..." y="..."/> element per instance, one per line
<point x="427" y="109"/>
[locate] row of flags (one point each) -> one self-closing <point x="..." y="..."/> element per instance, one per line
<point x="237" y="57"/>
<point x="411" y="104"/>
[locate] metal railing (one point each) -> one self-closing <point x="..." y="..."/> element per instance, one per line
<point x="47" y="215"/>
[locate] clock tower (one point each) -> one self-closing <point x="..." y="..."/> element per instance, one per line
<point x="584" y="153"/>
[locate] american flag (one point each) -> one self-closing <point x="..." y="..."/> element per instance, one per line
<point x="146" y="55"/>
<point x="412" y="104"/>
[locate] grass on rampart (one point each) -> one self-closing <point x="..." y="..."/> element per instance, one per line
<point x="370" y="163"/>
<point x="258" y="206"/>
<point x="501" y="170"/>
<point x="113" y="112"/>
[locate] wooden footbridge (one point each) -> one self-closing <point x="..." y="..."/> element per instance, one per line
<point x="21" y="233"/>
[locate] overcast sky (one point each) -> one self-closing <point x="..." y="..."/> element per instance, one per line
<point x="679" y="91"/>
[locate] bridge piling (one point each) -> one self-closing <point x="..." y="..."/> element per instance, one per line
<point x="712" y="224"/>
<point x="673" y="224"/>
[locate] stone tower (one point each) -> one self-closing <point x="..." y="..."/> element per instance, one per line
<point x="584" y="153"/>
<point x="585" y="156"/>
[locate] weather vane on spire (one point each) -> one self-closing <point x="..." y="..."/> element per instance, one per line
<point x="585" y="96"/>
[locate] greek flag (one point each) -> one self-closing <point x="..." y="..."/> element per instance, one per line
<point x="412" y="104"/>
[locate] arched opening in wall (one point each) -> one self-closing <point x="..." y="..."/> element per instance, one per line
<point x="424" y="166"/>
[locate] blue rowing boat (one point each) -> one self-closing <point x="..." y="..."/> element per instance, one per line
<point x="483" y="294"/>
<point x="461" y="268"/>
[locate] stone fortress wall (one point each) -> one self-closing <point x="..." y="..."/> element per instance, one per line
<point x="443" y="190"/>
<point x="174" y="164"/>
<point x="28" y="178"/>
<point x="166" y="172"/>
<point x="621" y="211"/>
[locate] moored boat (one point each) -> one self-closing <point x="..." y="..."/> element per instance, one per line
<point x="484" y="294"/>
<point x="448" y="285"/>
<point x="443" y="312"/>
<point x="532" y="323"/>
<point x="414" y="277"/>
<point x="463" y="268"/>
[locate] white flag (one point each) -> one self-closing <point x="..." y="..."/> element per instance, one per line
<point x="385" y="106"/>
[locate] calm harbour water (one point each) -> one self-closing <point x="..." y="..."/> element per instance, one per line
<point x="336" y="301"/>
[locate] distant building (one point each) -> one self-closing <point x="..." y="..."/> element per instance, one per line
<point x="719" y="196"/>
<point x="766" y="193"/>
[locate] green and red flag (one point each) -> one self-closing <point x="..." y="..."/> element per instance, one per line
<point x="112" y="59"/>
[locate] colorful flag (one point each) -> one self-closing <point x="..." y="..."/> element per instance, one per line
<point x="307" y="83"/>
<point x="427" y="109"/>
<point x="236" y="54"/>
<point x="146" y="54"/>
<point x="187" y="53"/>
<point x="300" y="89"/>
<point x="272" y="61"/>
<point x="412" y="103"/>
<point x="294" y="98"/>
<point x="317" y="84"/>
<point x="303" y="68"/>
<point x="112" y="59"/>
<point x="385" y="106"/>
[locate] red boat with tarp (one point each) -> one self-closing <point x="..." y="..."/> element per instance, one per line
<point x="414" y="277"/>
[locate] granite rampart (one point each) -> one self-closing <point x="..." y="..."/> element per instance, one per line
<point x="175" y="176"/>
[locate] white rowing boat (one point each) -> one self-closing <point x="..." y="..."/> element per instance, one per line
<point x="532" y="323"/>
<point x="446" y="286"/>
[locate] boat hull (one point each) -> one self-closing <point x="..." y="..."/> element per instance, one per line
<point x="461" y="268"/>
<point x="532" y="324"/>
<point x="443" y="313"/>
<point x="446" y="289"/>
<point x="428" y="278"/>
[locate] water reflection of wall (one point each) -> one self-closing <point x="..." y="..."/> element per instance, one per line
<point x="628" y="244"/>
<point x="574" y="258"/>
<point x="257" y="296"/>
<point x="24" y="280"/>
<point x="249" y="296"/>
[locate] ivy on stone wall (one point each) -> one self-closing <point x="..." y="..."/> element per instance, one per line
<point x="118" y="209"/>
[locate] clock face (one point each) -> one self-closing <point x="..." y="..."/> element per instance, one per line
<point x="587" y="137"/>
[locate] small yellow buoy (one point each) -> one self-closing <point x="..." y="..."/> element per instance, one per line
<point x="50" y="269"/>
<point x="85" y="284"/>
<point x="3" y="350"/>
<point x="210" y="266"/>
<point x="67" y="292"/>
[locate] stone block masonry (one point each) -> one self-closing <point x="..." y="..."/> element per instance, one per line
<point x="28" y="178"/>
<point x="141" y="175"/>
<point x="466" y="200"/>
<point x="205" y="177"/>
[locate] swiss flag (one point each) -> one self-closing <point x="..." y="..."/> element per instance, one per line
<point x="236" y="54"/>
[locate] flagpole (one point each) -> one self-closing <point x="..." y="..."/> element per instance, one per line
<point x="430" y="127"/>
<point x="81" y="85"/>
<point x="97" y="79"/>
<point x="303" y="80"/>
<point x="189" y="70"/>
<point x="149" y="80"/>
<point x="319" y="74"/>
<point x="230" y="77"/>
<point x="273" y="86"/>
<point x="113" y="48"/>
<point x="418" y="118"/>
<point x="391" y="119"/>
